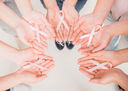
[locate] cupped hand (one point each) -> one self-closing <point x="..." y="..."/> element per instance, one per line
<point x="71" y="17"/>
<point x="84" y="26"/>
<point x="112" y="57"/>
<point x="100" y="41"/>
<point x="37" y="19"/>
<point x="29" y="37"/>
<point x="108" y="76"/>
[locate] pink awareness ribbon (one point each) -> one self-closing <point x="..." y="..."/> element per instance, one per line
<point x="38" y="32"/>
<point x="35" y="64"/>
<point x="99" y="66"/>
<point x="61" y="16"/>
<point x="91" y="34"/>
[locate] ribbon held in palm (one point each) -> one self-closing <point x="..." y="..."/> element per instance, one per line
<point x="61" y="16"/>
<point x="99" y="66"/>
<point x="35" y="64"/>
<point x="91" y="35"/>
<point x="38" y="32"/>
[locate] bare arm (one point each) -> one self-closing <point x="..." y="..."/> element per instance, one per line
<point x="71" y="2"/>
<point x="50" y="3"/>
<point x="9" y="81"/>
<point x="8" y="16"/>
<point x="103" y="8"/>
<point x="7" y="52"/>
<point x="24" y="6"/>
<point x="118" y="28"/>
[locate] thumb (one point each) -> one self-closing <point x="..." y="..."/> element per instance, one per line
<point x="41" y="77"/>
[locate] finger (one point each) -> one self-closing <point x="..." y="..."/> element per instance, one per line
<point x="75" y="41"/>
<point x="71" y="31"/>
<point x="75" y="34"/>
<point x="40" y="46"/>
<point x="89" y="75"/>
<point x="41" y="77"/>
<point x="100" y="47"/>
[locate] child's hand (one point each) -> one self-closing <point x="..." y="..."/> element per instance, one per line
<point x="108" y="76"/>
<point x="113" y="57"/>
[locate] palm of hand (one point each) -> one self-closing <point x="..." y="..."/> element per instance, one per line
<point x="25" y="33"/>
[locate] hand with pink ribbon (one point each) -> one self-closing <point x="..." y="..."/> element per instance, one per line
<point x="30" y="36"/>
<point x="91" y="66"/>
<point x="85" y="29"/>
<point x="71" y="17"/>
<point x="41" y="65"/>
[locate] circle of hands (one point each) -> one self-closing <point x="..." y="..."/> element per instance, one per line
<point x="66" y="24"/>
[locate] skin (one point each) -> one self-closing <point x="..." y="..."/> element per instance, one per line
<point x="87" y="22"/>
<point x="22" y="27"/>
<point x="109" y="76"/>
<point x="70" y="16"/>
<point x="106" y="33"/>
<point x="21" y="76"/>
<point x="34" y="17"/>
<point x="9" y="53"/>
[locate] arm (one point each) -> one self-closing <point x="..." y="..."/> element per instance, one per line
<point x="9" y="81"/>
<point x="24" y="6"/>
<point x="8" y="16"/>
<point x="50" y="3"/>
<point x="118" y="28"/>
<point x="109" y="76"/>
<point x="7" y="52"/>
<point x="103" y="8"/>
<point x="71" y="2"/>
<point x="123" y="81"/>
<point x="21" y="76"/>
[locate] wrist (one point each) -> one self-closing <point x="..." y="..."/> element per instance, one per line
<point x="123" y="55"/>
<point x="70" y="2"/>
<point x="50" y="4"/>
<point x="98" y="18"/>
<point x="20" y="77"/>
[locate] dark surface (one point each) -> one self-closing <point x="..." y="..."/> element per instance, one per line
<point x="69" y="45"/>
<point x="59" y="46"/>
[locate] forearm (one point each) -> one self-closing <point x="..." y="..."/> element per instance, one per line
<point x="9" y="81"/>
<point x="24" y="6"/>
<point x="8" y="16"/>
<point x="102" y="9"/>
<point x="50" y="3"/>
<point x="118" y="28"/>
<point x="123" y="53"/>
<point x="71" y="2"/>
<point x="123" y="81"/>
<point x="7" y="52"/>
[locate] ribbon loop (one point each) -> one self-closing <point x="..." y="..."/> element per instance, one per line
<point x="61" y="16"/>
<point x="99" y="66"/>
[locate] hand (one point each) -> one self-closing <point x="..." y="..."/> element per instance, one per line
<point x="41" y="66"/>
<point x="36" y="18"/>
<point x="52" y="17"/>
<point x="108" y="76"/>
<point x="71" y="17"/>
<point x="27" y="55"/>
<point x="113" y="57"/>
<point x="29" y="77"/>
<point x="85" y="26"/>
<point x="100" y="41"/>
<point x="29" y="37"/>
